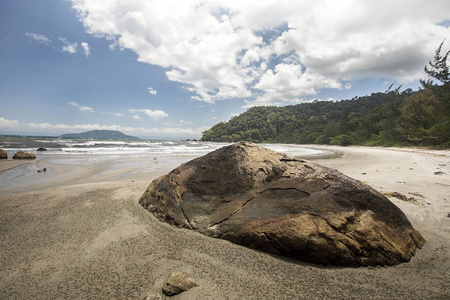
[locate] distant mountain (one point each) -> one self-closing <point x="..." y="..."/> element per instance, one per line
<point x="100" y="134"/>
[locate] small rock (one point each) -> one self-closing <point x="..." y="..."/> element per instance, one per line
<point x="44" y="170"/>
<point x="439" y="173"/>
<point x="41" y="149"/>
<point x="156" y="296"/>
<point x="3" y="154"/>
<point x="24" y="155"/>
<point x="177" y="283"/>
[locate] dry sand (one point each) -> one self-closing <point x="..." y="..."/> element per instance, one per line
<point x="78" y="232"/>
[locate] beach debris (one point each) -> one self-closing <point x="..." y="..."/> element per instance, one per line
<point x="43" y="170"/>
<point x="211" y="293"/>
<point x="283" y="205"/>
<point x="177" y="283"/>
<point x="3" y="154"/>
<point x="439" y="173"/>
<point x="402" y="197"/>
<point x="417" y="194"/>
<point x="24" y="155"/>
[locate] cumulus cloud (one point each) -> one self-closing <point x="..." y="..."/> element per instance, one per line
<point x="152" y="91"/>
<point x="5" y="123"/>
<point x="277" y="51"/>
<point x="153" y="114"/>
<point x="42" y="128"/>
<point x="68" y="47"/>
<point x="80" y="107"/>
<point x="39" y="38"/>
<point x="85" y="47"/>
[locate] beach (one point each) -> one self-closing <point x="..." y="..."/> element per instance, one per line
<point x="77" y="231"/>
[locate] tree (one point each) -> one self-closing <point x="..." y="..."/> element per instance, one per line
<point x="437" y="68"/>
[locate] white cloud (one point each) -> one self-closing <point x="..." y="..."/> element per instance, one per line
<point x="153" y="114"/>
<point x="186" y="122"/>
<point x="39" y="38"/>
<point x="48" y="128"/>
<point x="225" y="49"/>
<point x="152" y="91"/>
<point x="113" y="114"/>
<point x="85" y="47"/>
<point x="4" y="123"/>
<point x="137" y="117"/>
<point x="80" y="107"/>
<point x="68" y="47"/>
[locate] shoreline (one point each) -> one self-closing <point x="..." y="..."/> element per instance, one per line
<point x="6" y="165"/>
<point x="78" y="232"/>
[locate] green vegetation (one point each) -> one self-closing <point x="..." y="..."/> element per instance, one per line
<point x="393" y="118"/>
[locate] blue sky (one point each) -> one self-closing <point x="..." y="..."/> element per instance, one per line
<point x="171" y="69"/>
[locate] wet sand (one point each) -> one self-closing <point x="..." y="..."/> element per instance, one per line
<point x="77" y="231"/>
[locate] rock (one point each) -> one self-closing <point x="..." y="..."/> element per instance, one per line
<point x="3" y="154"/>
<point x="156" y="296"/>
<point x="177" y="283"/>
<point x="24" y="155"/>
<point x="273" y="202"/>
<point x="41" y="149"/>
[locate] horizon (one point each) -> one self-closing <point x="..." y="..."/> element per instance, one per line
<point x="173" y="70"/>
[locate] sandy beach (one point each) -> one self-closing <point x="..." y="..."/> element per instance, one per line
<point x="77" y="231"/>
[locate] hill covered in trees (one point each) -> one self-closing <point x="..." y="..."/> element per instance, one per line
<point x="393" y="118"/>
<point x="100" y="134"/>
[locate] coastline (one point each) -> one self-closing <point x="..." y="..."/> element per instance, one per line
<point x="78" y="232"/>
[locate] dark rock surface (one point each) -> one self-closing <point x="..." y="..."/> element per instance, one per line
<point x="270" y="201"/>
<point x="24" y="155"/>
<point x="3" y="154"/>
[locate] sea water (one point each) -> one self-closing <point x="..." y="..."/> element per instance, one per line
<point x="118" y="148"/>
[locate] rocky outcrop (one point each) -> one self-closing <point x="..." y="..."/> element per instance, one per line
<point x="3" y="154"/>
<point x="24" y="155"/>
<point x="270" y="201"/>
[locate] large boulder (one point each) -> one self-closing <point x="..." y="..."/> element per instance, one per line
<point x="3" y="154"/>
<point x="24" y="155"/>
<point x="270" y="201"/>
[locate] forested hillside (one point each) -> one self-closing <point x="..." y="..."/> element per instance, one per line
<point x="393" y="118"/>
<point x="406" y="118"/>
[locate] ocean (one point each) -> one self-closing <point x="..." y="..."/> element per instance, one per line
<point x="116" y="148"/>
